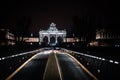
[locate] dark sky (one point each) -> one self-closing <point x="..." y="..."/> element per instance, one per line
<point x="42" y="12"/>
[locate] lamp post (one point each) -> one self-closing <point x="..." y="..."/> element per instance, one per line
<point x="32" y="38"/>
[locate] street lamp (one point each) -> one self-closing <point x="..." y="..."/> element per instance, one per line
<point x="32" y="39"/>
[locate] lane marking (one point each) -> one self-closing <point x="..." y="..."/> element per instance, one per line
<point x="84" y="68"/>
<point x="58" y="66"/>
<point x="18" y="69"/>
<point x="53" y="56"/>
<point x="46" y="68"/>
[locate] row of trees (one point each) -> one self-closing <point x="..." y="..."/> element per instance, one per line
<point x="21" y="28"/>
<point x="84" y="27"/>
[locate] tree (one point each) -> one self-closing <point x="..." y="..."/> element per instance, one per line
<point x="22" y="25"/>
<point x="84" y="27"/>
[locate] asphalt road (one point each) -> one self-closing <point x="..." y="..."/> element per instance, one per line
<point x="35" y="67"/>
<point x="71" y="70"/>
<point x="32" y="70"/>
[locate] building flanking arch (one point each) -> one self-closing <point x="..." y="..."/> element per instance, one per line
<point x="52" y="34"/>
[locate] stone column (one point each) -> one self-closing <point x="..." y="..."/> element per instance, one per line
<point x="56" y="39"/>
<point x="40" y="38"/>
<point x="64" y="39"/>
<point x="48" y="38"/>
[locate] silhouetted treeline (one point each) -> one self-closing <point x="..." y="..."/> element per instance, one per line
<point x="21" y="27"/>
<point x="84" y="27"/>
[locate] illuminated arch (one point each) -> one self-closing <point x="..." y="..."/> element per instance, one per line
<point x="52" y="32"/>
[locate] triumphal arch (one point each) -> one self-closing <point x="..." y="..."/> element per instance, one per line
<point x="52" y="36"/>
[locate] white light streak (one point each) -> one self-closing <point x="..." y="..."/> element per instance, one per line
<point x="103" y="59"/>
<point x="95" y="57"/>
<point x="111" y="61"/>
<point x="20" y="54"/>
<point x="116" y="62"/>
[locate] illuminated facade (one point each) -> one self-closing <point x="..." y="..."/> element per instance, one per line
<point x="106" y="34"/>
<point x="52" y="36"/>
<point x="6" y="37"/>
<point x="106" y="37"/>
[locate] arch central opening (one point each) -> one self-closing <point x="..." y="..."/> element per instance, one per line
<point x="52" y="40"/>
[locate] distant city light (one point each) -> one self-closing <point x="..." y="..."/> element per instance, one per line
<point x="31" y="34"/>
<point x="98" y="70"/>
<point x="31" y="43"/>
<point x="27" y="39"/>
<point x="111" y="61"/>
<point x="116" y="62"/>
<point x="103" y="59"/>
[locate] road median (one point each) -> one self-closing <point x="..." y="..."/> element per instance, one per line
<point x="52" y="71"/>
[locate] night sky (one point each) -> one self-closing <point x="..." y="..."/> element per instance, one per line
<point x="42" y="13"/>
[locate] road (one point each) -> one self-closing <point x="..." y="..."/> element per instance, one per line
<point x="56" y="63"/>
<point x="71" y="69"/>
